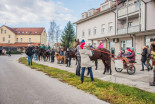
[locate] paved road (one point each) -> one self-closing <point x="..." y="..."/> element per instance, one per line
<point x="21" y="85"/>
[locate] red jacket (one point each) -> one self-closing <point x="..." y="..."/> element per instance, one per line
<point x="132" y="56"/>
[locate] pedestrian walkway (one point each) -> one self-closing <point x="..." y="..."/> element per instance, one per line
<point x="139" y="79"/>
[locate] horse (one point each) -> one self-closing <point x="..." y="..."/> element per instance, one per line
<point x="104" y="55"/>
<point x="46" y="55"/>
<point x="40" y="53"/>
<point x="60" y="58"/>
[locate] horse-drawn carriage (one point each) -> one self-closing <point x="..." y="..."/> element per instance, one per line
<point x="123" y="63"/>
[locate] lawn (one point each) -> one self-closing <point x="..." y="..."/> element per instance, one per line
<point x="107" y="91"/>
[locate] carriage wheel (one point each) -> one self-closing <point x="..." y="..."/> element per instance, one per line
<point x="118" y="69"/>
<point x="131" y="70"/>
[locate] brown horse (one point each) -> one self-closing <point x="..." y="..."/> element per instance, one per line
<point x="104" y="55"/>
<point x="59" y="58"/>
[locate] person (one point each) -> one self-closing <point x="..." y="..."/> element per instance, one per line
<point x="120" y="54"/>
<point x="9" y="52"/>
<point x="77" y="43"/>
<point x="153" y="61"/>
<point x="61" y="53"/>
<point x="29" y="53"/>
<point x="149" y="57"/>
<point x="86" y="62"/>
<point x="131" y="57"/>
<point x="52" y="55"/>
<point x="68" y="57"/>
<point x="36" y="54"/>
<point x="144" y="58"/>
<point x="100" y="44"/>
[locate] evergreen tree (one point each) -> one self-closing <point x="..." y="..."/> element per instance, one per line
<point x="68" y="36"/>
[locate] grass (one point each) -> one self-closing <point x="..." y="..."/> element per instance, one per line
<point x="107" y="91"/>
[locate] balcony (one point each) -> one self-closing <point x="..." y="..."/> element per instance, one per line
<point x="133" y="11"/>
<point x="130" y="30"/>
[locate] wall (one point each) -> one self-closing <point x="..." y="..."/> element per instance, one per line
<point x="44" y="38"/>
<point x="96" y="22"/>
<point x="25" y="38"/>
<point x="8" y="32"/>
<point x="151" y="15"/>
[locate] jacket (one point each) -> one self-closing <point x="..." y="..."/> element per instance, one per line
<point x="144" y="55"/>
<point x="52" y="53"/>
<point x="85" y="60"/>
<point x="67" y="55"/>
<point x="132" y="56"/>
<point x="77" y="50"/>
<point x="36" y="51"/>
<point x="100" y="46"/>
<point x="29" y="51"/>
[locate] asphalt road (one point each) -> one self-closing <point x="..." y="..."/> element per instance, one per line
<point x="21" y="85"/>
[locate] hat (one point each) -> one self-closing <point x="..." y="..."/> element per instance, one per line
<point x="132" y="48"/>
<point x="82" y="41"/>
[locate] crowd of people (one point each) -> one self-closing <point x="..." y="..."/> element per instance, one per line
<point x="83" y="53"/>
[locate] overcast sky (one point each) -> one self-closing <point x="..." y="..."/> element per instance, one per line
<point x="39" y="13"/>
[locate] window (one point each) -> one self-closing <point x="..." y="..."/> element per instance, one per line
<point x="83" y="34"/>
<point x="89" y="32"/>
<point x="21" y="40"/>
<point x="95" y="30"/>
<point x="90" y="14"/>
<point x="9" y="36"/>
<point x="1" y="31"/>
<point x="110" y="28"/>
<point x="130" y="24"/>
<point x="16" y="39"/>
<point x="8" y="41"/>
<point x="103" y="28"/>
<point x="5" y="31"/>
<point x="29" y="39"/>
<point x="3" y="39"/>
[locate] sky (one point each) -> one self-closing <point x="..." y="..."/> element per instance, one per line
<point x="39" y="13"/>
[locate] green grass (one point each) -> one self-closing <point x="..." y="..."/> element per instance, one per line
<point x="107" y="91"/>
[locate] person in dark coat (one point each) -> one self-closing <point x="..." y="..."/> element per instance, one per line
<point x="149" y="57"/>
<point x="52" y="55"/>
<point x="68" y="58"/>
<point x="9" y="52"/>
<point x="36" y="53"/>
<point x="144" y="58"/>
<point x="29" y="53"/>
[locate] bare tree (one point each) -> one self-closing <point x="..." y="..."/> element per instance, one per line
<point x="57" y="35"/>
<point x="51" y="33"/>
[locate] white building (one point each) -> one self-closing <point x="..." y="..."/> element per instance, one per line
<point x="119" y="25"/>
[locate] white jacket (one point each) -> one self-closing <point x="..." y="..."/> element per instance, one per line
<point x="85" y="60"/>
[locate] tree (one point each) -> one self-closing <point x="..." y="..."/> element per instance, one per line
<point x="68" y="36"/>
<point x="57" y="35"/>
<point x="51" y="33"/>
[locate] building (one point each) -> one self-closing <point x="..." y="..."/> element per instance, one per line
<point x="21" y="37"/>
<point x="119" y="24"/>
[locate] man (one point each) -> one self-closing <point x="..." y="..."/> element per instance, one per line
<point x="153" y="61"/>
<point x="9" y="52"/>
<point x="68" y="58"/>
<point x="29" y="53"/>
<point x="149" y="57"/>
<point x="52" y="55"/>
<point x="79" y="46"/>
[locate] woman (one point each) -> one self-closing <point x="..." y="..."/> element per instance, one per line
<point x="144" y="58"/>
<point x="100" y="45"/>
<point x="86" y="62"/>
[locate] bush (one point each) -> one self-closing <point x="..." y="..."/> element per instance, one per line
<point x="14" y="52"/>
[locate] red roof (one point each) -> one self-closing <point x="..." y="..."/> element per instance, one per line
<point x="18" y="44"/>
<point x="26" y="31"/>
